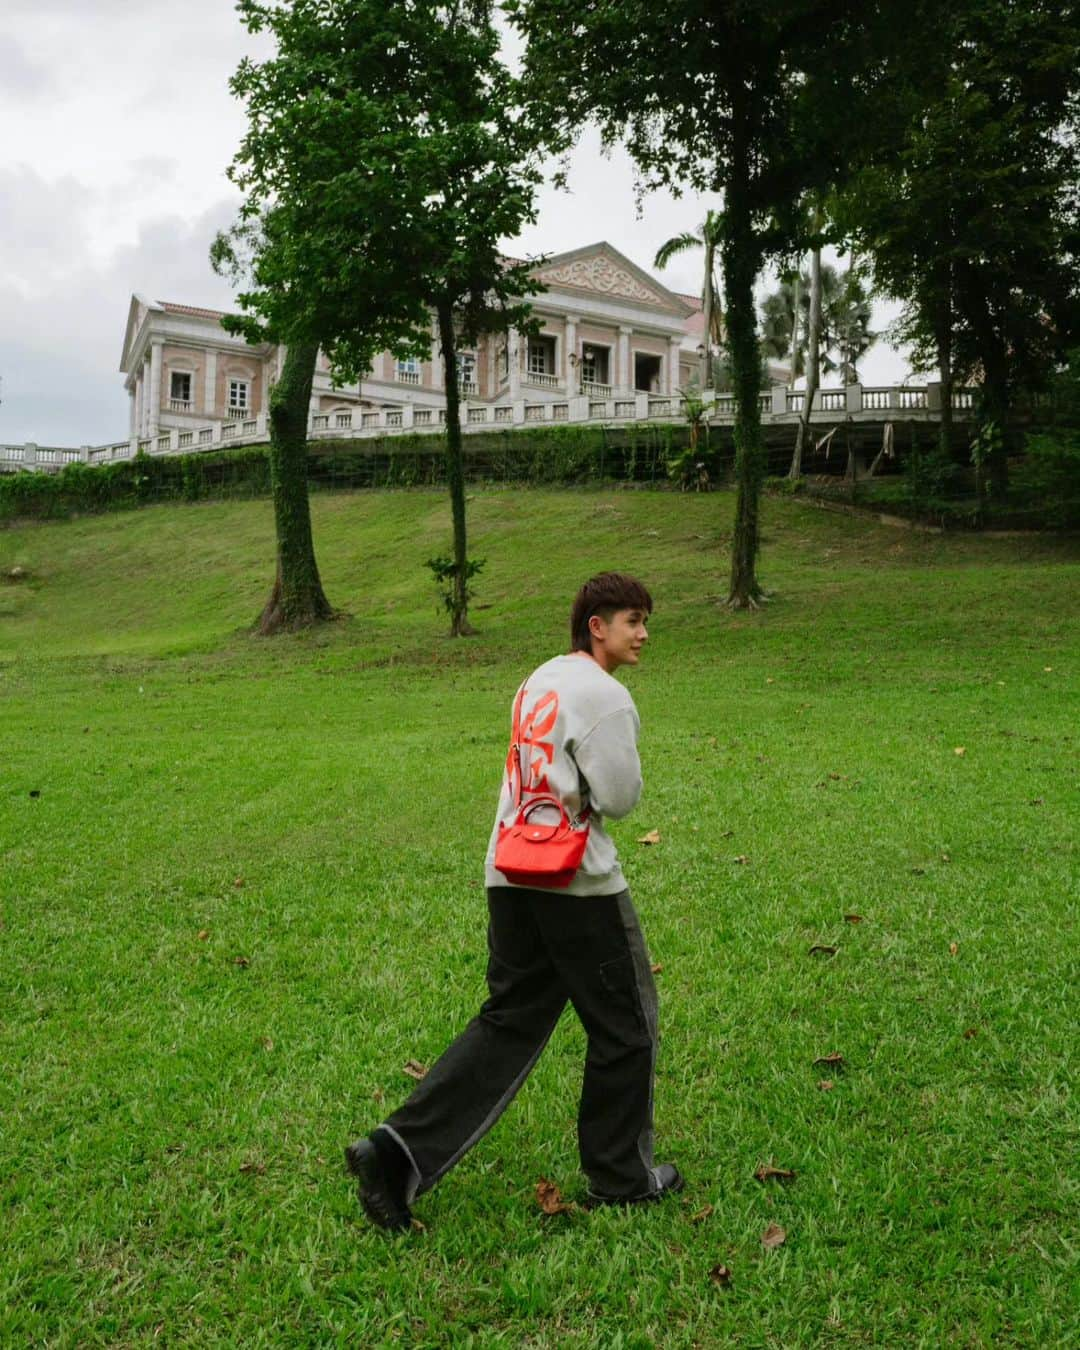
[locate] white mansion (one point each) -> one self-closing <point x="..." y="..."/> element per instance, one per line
<point x="608" y="331"/>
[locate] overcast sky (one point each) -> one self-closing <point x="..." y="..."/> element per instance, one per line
<point x="117" y="129"/>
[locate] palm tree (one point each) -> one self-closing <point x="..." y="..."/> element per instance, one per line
<point x="845" y="322"/>
<point x="708" y="238"/>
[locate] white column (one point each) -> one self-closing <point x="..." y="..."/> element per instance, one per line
<point x="492" y="367"/>
<point x="144" y="380"/>
<point x="210" y="384"/>
<point x="513" y="343"/>
<point x="131" y="412"/>
<point x="155" y="388"/>
<point x="673" y="366"/>
<point x="625" y="374"/>
<point x="572" y="382"/>
<point x="136" y="425"/>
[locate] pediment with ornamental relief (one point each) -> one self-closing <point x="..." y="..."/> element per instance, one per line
<point x="602" y="270"/>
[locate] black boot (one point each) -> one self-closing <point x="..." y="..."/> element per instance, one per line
<point x="668" y="1181"/>
<point x="383" y="1173"/>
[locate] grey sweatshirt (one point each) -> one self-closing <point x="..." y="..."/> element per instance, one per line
<point x="578" y="730"/>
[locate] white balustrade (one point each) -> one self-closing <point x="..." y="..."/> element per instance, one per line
<point x="596" y="403"/>
<point x="181" y="405"/>
<point x="539" y="380"/>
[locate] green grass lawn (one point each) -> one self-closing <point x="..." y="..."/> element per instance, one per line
<point x="242" y="885"/>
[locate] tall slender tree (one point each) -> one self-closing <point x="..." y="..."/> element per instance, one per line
<point x="387" y="146"/>
<point x="968" y="204"/>
<point x="708" y="240"/>
<point x="753" y="100"/>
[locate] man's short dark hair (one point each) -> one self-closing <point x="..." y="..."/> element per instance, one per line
<point x="604" y="595"/>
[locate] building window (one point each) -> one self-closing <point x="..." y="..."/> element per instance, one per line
<point x="408" y="371"/>
<point x="239" y="395"/>
<point x="467" y="372"/>
<point x="541" y="356"/>
<point x="179" y="386"/>
<point x="595" y="364"/>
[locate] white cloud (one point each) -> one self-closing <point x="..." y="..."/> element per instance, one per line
<point x="118" y="127"/>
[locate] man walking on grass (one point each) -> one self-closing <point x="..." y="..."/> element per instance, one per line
<point x="574" y="739"/>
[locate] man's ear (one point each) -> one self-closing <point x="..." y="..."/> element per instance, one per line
<point x="597" y="626"/>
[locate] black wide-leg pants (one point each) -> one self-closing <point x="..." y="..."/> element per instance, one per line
<point x="547" y="948"/>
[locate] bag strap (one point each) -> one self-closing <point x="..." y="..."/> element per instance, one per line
<point x="513" y="757"/>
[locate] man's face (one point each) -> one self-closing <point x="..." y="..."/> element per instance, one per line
<point x="618" y="641"/>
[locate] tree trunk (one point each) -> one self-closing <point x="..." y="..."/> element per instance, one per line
<point x="707" y="299"/>
<point x="741" y="257"/>
<point x="455" y="474"/>
<point x="943" y="338"/>
<point x="997" y="405"/>
<point x="796" y="302"/>
<point x="813" y="362"/>
<point x="297" y="599"/>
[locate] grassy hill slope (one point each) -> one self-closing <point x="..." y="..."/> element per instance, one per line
<point x="241" y="886"/>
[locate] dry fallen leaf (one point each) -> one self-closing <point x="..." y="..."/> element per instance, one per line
<point x="267" y="1043"/>
<point x="720" y="1276"/>
<point x="741" y="858"/>
<point x="824" y="949"/>
<point x="653" y="837"/>
<point x="203" y="934"/>
<point x="971" y="1031"/>
<point x="835" y="1060"/>
<point x="953" y="948"/>
<point x="773" y="1236"/>
<point x="418" y="1227"/>
<point x="825" y="1084"/>
<point x="241" y="961"/>
<point x="414" y="1069"/>
<point x="945" y="858"/>
<point x="959" y="750"/>
<point x="767" y="1170"/>
<point x="657" y="968"/>
<point x="853" y="918"/>
<point x="255" y="1168"/>
<point x="238" y="882"/>
<point x="379" y="1096"/>
<point x="701" y="1215"/>
<point x="550" y="1200"/>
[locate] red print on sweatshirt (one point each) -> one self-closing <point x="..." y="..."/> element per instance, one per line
<point x="527" y="744"/>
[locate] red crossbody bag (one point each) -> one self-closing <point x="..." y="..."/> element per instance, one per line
<point x="538" y="853"/>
